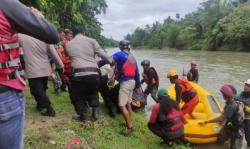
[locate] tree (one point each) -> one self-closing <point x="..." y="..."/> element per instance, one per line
<point x="216" y="25"/>
<point x="65" y="13"/>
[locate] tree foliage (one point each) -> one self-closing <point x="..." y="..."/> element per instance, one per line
<point x="216" y="25"/>
<point x="67" y="13"/>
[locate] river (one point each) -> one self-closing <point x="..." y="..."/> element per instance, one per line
<point x="215" y="68"/>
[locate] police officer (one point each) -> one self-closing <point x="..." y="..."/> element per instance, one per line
<point x="85" y="78"/>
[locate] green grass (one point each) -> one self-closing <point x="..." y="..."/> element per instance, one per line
<point x="55" y="133"/>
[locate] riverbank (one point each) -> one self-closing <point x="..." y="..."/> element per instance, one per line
<point x="55" y="133"/>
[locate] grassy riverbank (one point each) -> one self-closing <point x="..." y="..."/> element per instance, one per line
<point x="55" y="133"/>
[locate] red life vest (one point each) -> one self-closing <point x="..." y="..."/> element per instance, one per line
<point x="66" y="62"/>
<point x="155" y="80"/>
<point x="187" y="91"/>
<point x="9" y="56"/>
<point x="175" y="120"/>
<point x="129" y="67"/>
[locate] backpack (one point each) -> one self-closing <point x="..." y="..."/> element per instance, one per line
<point x="238" y="117"/>
<point x="240" y="111"/>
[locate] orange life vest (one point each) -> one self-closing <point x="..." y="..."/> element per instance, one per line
<point x="187" y="91"/>
<point x="66" y="61"/>
<point x="9" y="56"/>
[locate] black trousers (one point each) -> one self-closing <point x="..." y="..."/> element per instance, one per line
<point x="167" y="136"/>
<point x="247" y="131"/>
<point x="105" y="92"/>
<point x="69" y="85"/>
<point x="114" y="94"/>
<point x="38" y="87"/>
<point x="235" y="136"/>
<point x="84" y="92"/>
<point x="153" y="91"/>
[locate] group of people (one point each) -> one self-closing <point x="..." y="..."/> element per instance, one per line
<point x="167" y="121"/>
<point x="28" y="41"/>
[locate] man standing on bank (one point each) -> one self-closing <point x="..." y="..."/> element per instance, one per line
<point x="127" y="73"/>
<point x="38" y="69"/>
<point x="16" y="17"/>
<point x="86" y="74"/>
<point x="151" y="78"/>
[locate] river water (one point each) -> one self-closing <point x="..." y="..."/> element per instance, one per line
<point x="215" y="69"/>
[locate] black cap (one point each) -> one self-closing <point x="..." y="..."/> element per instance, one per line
<point x="145" y="63"/>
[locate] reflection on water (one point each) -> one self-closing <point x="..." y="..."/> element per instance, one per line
<point x="215" y="69"/>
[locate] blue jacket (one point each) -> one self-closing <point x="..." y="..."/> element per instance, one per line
<point x="120" y="59"/>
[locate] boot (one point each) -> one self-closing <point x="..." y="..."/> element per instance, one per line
<point x="95" y="113"/>
<point x="112" y="112"/>
<point x="49" y="112"/>
<point x="80" y="118"/>
<point x="39" y="107"/>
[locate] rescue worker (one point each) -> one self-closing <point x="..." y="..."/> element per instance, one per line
<point x="185" y="92"/>
<point x="245" y="98"/>
<point x="127" y="74"/>
<point x="65" y="77"/>
<point x="86" y="74"/>
<point x="232" y="118"/>
<point x="193" y="74"/>
<point x="55" y="77"/>
<point x="166" y="120"/>
<point x="68" y="34"/>
<point x="16" y="17"/>
<point x="150" y="77"/>
<point x="38" y="69"/>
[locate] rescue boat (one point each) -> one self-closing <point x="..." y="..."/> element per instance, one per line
<point x="208" y="108"/>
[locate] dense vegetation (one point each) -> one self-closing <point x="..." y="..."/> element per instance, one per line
<point x="216" y="25"/>
<point x="66" y="13"/>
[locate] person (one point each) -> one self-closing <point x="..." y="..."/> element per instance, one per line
<point x="185" y="92"/>
<point x="16" y="17"/>
<point x="150" y="77"/>
<point x="166" y="119"/>
<point x="139" y="101"/>
<point x="85" y="78"/>
<point x="193" y="74"/>
<point x="127" y="73"/>
<point x="55" y="78"/>
<point x="68" y="35"/>
<point x="232" y="117"/>
<point x="245" y="98"/>
<point x="106" y="91"/>
<point x="38" y="69"/>
<point x="65" y="77"/>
